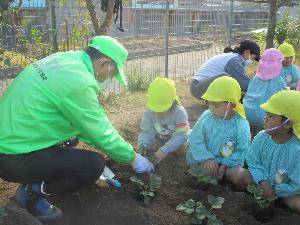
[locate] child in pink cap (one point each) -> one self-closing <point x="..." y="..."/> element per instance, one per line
<point x="264" y="84"/>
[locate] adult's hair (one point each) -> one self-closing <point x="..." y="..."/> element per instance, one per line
<point x="252" y="46"/>
<point x="93" y="53"/>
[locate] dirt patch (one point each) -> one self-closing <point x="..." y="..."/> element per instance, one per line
<point x="109" y="206"/>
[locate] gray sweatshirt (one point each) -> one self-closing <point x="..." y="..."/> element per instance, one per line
<point x="172" y="129"/>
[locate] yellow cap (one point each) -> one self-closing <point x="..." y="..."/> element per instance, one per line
<point x="287" y="50"/>
<point x="225" y="89"/>
<point x="285" y="103"/>
<point x="161" y="94"/>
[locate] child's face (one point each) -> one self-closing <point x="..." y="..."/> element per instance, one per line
<point x="287" y="61"/>
<point x="219" y="109"/>
<point x="272" y="121"/>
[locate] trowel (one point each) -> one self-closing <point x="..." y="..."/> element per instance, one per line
<point x="108" y="176"/>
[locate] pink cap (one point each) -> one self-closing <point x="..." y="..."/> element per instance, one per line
<point x="270" y="64"/>
<point x="298" y="86"/>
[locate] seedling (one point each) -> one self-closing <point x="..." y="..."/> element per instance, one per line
<point x="203" y="178"/>
<point x="262" y="211"/>
<point x="148" y="154"/>
<point x="199" y="212"/>
<point x="3" y="214"/>
<point x="147" y="191"/>
<point x="259" y="199"/>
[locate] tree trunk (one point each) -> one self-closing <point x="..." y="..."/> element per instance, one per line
<point x="274" y="6"/>
<point x="108" y="20"/>
<point x="91" y="8"/>
<point x="104" y="28"/>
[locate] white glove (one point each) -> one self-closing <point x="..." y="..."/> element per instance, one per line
<point x="142" y="165"/>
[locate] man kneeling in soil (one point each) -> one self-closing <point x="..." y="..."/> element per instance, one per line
<point x="50" y="101"/>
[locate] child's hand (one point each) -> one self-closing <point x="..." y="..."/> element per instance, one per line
<point x="211" y="166"/>
<point x="159" y="156"/>
<point x="267" y="189"/>
<point x="143" y="150"/>
<point x="221" y="172"/>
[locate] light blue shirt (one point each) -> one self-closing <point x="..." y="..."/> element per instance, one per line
<point x="290" y="74"/>
<point x="279" y="164"/>
<point x="210" y="134"/>
<point x="259" y="92"/>
<point x="230" y="64"/>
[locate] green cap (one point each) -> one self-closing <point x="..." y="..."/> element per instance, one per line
<point x="112" y="49"/>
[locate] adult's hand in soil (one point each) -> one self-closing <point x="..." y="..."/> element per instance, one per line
<point x="221" y="172"/>
<point x="267" y="189"/>
<point x="142" y="165"/>
<point x="211" y="166"/>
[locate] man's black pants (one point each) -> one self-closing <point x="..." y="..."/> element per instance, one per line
<point x="62" y="169"/>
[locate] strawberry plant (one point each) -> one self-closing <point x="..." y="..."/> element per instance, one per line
<point x="262" y="211"/>
<point x="203" y="178"/>
<point x="259" y="199"/>
<point x="147" y="190"/>
<point x="198" y="211"/>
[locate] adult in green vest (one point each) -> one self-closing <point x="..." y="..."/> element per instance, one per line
<point x="51" y="101"/>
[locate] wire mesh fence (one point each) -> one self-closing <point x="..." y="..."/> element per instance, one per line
<point x="171" y="38"/>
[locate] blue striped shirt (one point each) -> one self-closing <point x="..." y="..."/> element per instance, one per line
<point x="279" y="164"/>
<point x="210" y="134"/>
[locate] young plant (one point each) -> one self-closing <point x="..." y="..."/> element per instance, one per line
<point x="259" y="199"/>
<point x="203" y="178"/>
<point x="3" y="214"/>
<point x="199" y="212"/>
<point x="147" y="191"/>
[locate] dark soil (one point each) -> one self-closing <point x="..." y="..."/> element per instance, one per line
<point x="101" y="204"/>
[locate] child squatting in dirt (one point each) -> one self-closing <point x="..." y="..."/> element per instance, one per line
<point x="221" y="137"/>
<point x="165" y="126"/>
<point x="273" y="158"/>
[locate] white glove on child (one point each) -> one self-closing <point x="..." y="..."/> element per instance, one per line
<point x="142" y="165"/>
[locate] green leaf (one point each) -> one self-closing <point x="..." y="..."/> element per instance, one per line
<point x="190" y="203"/>
<point x="216" y="202"/>
<point x="251" y="188"/>
<point x="213" y="181"/>
<point x="155" y="181"/>
<point x="189" y="210"/>
<point x="7" y="62"/>
<point x="199" y="205"/>
<point x="195" y="221"/>
<point x="137" y="180"/>
<point x="151" y="194"/>
<point x="144" y="193"/>
<point x="200" y="213"/>
<point x="181" y="207"/>
<point x="147" y="200"/>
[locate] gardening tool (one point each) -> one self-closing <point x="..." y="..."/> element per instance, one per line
<point x="108" y="176"/>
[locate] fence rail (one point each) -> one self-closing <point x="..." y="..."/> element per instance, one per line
<point x="183" y="36"/>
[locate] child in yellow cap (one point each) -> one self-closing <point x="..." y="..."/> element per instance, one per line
<point x="289" y="72"/>
<point x="273" y="158"/>
<point x="221" y="137"/>
<point x="165" y="126"/>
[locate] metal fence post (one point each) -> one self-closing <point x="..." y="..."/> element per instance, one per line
<point x="166" y="44"/>
<point x="230" y="24"/>
<point x="53" y="25"/>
